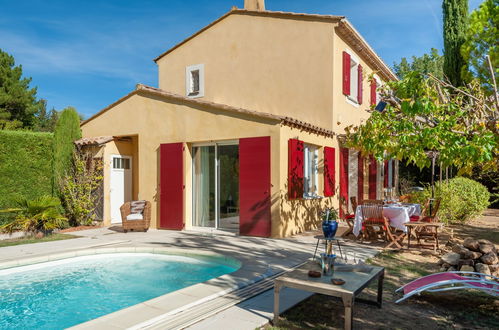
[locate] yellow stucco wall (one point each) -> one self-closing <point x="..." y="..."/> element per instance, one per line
<point x="155" y="121"/>
<point x="345" y="113"/>
<point x="275" y="65"/>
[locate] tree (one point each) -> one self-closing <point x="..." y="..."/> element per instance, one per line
<point x="67" y="130"/>
<point x="427" y="63"/>
<point x="45" y="120"/>
<point x="427" y="116"/>
<point x="18" y="103"/>
<point x="481" y="40"/>
<point x="455" y="14"/>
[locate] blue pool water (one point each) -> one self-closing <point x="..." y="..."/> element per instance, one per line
<point x="64" y="293"/>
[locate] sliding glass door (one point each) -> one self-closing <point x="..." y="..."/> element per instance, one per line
<point x="204" y="186"/>
<point x="216" y="186"/>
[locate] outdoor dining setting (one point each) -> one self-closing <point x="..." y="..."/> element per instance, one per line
<point x="392" y="219"/>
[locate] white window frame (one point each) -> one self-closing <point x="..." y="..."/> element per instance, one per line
<point x="310" y="171"/>
<point x="189" y="83"/>
<point x="378" y="85"/>
<point x="354" y="78"/>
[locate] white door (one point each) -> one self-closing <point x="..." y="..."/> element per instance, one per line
<point x="121" y="184"/>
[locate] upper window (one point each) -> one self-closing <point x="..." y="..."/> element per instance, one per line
<point x="310" y="171"/>
<point x="352" y="79"/>
<point x="194" y="80"/>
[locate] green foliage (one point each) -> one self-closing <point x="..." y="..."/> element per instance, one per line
<point x="462" y="199"/>
<point x="482" y="39"/>
<point x="46" y="120"/>
<point x="67" y="130"/>
<point x="38" y="215"/>
<point x="424" y="115"/>
<point x="490" y="179"/>
<point x="18" y="103"/>
<point x="81" y="189"/>
<point x="25" y="166"/>
<point x="428" y="63"/>
<point x="455" y="14"/>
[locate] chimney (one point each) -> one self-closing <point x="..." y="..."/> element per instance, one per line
<point x="254" y="5"/>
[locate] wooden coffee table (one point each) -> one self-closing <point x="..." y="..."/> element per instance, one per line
<point x="356" y="278"/>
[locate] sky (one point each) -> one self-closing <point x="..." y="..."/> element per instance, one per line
<point x="87" y="54"/>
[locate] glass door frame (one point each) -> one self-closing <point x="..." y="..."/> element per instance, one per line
<point x="217" y="179"/>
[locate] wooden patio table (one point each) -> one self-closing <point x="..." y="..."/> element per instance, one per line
<point x="418" y="224"/>
<point x="356" y="278"/>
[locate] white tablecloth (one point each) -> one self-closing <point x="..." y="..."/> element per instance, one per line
<point x="397" y="214"/>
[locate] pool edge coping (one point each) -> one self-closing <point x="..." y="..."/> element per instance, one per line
<point x="211" y="289"/>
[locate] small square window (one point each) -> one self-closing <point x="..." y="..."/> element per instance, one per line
<point x="194" y="80"/>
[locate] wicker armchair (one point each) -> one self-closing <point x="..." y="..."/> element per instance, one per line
<point x="136" y="225"/>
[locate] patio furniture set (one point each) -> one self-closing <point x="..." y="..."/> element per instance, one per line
<point x="393" y="221"/>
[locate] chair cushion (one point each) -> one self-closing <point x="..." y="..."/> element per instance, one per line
<point x="134" y="216"/>
<point x="137" y="207"/>
<point x="414" y="218"/>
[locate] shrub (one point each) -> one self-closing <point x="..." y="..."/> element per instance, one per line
<point x="38" y="215"/>
<point x="67" y="130"/>
<point x="25" y="166"/>
<point x="81" y="188"/>
<point x="462" y="199"/>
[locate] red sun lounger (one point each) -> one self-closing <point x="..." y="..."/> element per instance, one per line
<point x="451" y="281"/>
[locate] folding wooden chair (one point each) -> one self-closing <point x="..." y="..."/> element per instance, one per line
<point x="375" y="225"/>
<point x="349" y="218"/>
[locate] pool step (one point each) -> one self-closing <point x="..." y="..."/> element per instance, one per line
<point x="202" y="311"/>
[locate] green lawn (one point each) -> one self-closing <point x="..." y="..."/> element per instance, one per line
<point x="31" y="240"/>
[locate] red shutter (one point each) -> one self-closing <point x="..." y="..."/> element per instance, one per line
<point x="359" y="84"/>
<point x="346" y="73"/>
<point x="171" y="198"/>
<point x="373" y="92"/>
<point x="329" y="171"/>
<point x="254" y="187"/>
<point x="344" y="179"/>
<point x="372" y="177"/>
<point x="360" y="175"/>
<point x="295" y="169"/>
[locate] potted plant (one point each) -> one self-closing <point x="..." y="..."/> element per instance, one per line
<point x="329" y="223"/>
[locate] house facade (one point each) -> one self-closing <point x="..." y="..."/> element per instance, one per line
<point x="244" y="130"/>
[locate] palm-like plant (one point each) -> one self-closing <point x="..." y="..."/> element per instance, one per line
<point x="37" y="215"/>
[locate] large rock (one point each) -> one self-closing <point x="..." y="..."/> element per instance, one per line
<point x="481" y="268"/>
<point x="458" y="248"/>
<point x="484" y="241"/>
<point x="475" y="255"/>
<point x="489" y="258"/>
<point x="452" y="258"/>
<point x="467" y="268"/>
<point x="469" y="262"/>
<point x="487" y="248"/>
<point x="494" y="270"/>
<point x="471" y="244"/>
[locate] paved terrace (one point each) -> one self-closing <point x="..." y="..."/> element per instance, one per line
<point x="261" y="258"/>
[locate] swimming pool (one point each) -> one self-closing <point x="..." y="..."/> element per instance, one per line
<point x="63" y="293"/>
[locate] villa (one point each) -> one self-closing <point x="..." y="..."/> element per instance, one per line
<point x="244" y="131"/>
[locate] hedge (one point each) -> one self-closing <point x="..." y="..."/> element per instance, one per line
<point x="463" y="199"/>
<point x="25" y="166"/>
